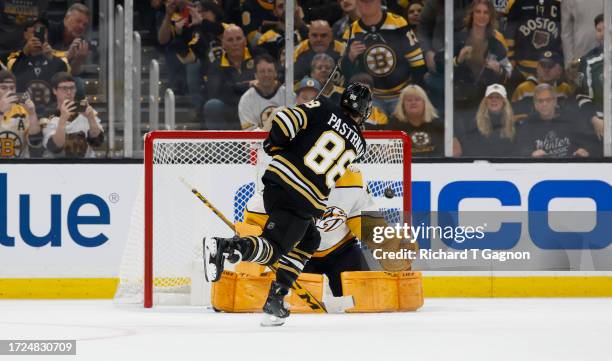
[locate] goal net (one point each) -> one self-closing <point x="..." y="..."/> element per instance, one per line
<point x="162" y="261"/>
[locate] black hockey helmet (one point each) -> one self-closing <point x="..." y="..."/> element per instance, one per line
<point x="357" y="100"/>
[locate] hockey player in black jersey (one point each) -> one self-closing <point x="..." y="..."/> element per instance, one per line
<point x="311" y="146"/>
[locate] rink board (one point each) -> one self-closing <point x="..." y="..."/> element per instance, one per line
<point x="37" y="196"/>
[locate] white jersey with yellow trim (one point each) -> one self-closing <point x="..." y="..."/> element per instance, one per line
<point x="340" y="221"/>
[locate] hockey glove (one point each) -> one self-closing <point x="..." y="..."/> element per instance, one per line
<point x="269" y="148"/>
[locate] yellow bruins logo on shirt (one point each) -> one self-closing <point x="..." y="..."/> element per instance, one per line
<point x="11" y="145"/>
<point x="333" y="218"/>
<point x="380" y="60"/>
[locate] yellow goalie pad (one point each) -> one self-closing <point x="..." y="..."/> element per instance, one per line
<point x="375" y="291"/>
<point x="243" y="292"/>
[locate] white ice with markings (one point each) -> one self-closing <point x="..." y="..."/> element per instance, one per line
<point x="444" y="329"/>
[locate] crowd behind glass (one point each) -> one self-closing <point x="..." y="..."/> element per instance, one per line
<point x="528" y="74"/>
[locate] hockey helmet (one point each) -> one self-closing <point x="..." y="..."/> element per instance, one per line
<point x="357" y="100"/>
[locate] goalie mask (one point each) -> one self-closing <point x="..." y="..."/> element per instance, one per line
<point x="357" y="101"/>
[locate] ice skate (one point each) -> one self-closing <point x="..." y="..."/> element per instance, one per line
<point x="275" y="309"/>
<point x="216" y="251"/>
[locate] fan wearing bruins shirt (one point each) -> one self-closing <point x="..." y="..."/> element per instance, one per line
<point x="35" y="65"/>
<point x="20" y="134"/>
<point x="533" y="27"/>
<point x="382" y="45"/>
<point x="311" y="146"/>
<point x="272" y="39"/>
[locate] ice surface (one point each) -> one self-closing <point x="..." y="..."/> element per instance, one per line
<point x="444" y="329"/>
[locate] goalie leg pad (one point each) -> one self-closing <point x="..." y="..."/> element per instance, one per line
<point x="375" y="291"/>
<point x="240" y="292"/>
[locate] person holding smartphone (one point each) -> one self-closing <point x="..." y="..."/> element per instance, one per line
<point x="20" y="133"/>
<point x="69" y="36"/>
<point x="73" y="128"/>
<point x="35" y="65"/>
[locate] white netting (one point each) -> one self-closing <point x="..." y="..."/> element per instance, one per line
<point x="224" y="171"/>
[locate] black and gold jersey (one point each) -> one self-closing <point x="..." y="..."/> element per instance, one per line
<point x="534" y="26"/>
<point x="254" y="13"/>
<point x="34" y="74"/>
<point x="315" y="144"/>
<point x="273" y="42"/>
<point x="392" y="57"/>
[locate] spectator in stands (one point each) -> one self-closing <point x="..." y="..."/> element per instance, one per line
<point x="20" y="132"/>
<point x="272" y="39"/>
<point x="532" y="28"/>
<point x="36" y="64"/>
<point x="175" y="21"/>
<point x="547" y="133"/>
<point x="549" y="71"/>
<point x="73" y="129"/>
<point x="227" y="80"/>
<point x="413" y="14"/>
<point x="199" y="46"/>
<point x="576" y="31"/>
<point x="69" y="36"/>
<point x="255" y="14"/>
<point x="14" y="16"/>
<point x="351" y="14"/>
<point x="480" y="60"/>
<point x="590" y="94"/>
<point x="431" y="28"/>
<point x="415" y="115"/>
<point x="382" y="45"/>
<point x="306" y="90"/>
<point x="322" y="66"/>
<point x="320" y="40"/>
<point x="493" y="131"/>
<point x="431" y="39"/>
<point x="378" y="120"/>
<point x="266" y="94"/>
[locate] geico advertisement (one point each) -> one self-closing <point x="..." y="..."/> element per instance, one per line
<point x="65" y="220"/>
<point x="535" y="216"/>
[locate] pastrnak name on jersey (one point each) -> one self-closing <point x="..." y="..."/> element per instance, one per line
<point x="343" y="129"/>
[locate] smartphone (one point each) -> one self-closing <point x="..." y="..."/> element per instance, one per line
<point x="81" y="105"/>
<point x="22" y="97"/>
<point x="40" y="33"/>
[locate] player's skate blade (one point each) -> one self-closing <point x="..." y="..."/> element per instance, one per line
<point x="275" y="309"/>
<point x="271" y="321"/>
<point x="213" y="260"/>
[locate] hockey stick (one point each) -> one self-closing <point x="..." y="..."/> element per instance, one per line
<point x="303" y="293"/>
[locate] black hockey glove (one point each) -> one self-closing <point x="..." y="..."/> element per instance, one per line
<point x="270" y="148"/>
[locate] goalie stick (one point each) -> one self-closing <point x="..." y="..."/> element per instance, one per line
<point x="337" y="304"/>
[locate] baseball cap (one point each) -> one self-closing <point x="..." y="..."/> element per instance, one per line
<point x="307" y="82"/>
<point x="550" y="58"/>
<point x="496" y="88"/>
